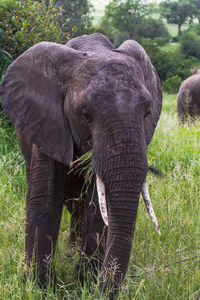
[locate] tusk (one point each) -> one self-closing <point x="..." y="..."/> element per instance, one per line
<point x="147" y="201"/>
<point x="102" y="199"/>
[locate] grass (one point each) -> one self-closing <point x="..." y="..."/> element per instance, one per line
<point x="98" y="12"/>
<point x="161" y="267"/>
<point x="173" y="28"/>
<point x="170" y="47"/>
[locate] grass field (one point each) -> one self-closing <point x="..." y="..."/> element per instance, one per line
<point x="161" y="267"/>
<point x="98" y="11"/>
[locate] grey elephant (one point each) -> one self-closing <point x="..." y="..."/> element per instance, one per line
<point x="66" y="100"/>
<point x="188" y="101"/>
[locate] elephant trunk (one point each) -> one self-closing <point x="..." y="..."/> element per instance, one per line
<point x="122" y="167"/>
<point x="122" y="198"/>
<point x="125" y="174"/>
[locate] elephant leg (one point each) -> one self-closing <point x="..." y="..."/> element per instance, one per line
<point x="94" y="236"/>
<point x="43" y="212"/>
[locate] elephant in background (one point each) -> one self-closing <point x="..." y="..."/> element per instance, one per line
<point x="188" y="100"/>
<point x="66" y="100"/>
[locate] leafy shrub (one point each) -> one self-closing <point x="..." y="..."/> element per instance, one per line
<point x="195" y="28"/>
<point x="171" y="85"/>
<point x="175" y="39"/>
<point x="25" y="23"/>
<point x="190" y="44"/>
<point x="151" y="28"/>
<point x="167" y="63"/>
<point x="160" y="42"/>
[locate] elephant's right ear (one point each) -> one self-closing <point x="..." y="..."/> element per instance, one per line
<point x="32" y="94"/>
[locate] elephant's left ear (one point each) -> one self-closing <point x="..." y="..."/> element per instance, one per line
<point x="151" y="81"/>
<point x="32" y="94"/>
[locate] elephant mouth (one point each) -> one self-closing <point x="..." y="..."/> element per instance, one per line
<point x="103" y="205"/>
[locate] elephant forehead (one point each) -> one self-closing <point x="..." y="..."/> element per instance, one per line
<point x="111" y="75"/>
<point x="108" y="66"/>
<point x="108" y="78"/>
<point x="110" y="94"/>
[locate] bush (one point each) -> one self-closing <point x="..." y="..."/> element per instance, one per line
<point x="167" y="63"/>
<point x="190" y="44"/>
<point x="151" y="28"/>
<point x="175" y="39"/>
<point x="25" y="23"/>
<point x="195" y="28"/>
<point x="160" y="42"/>
<point x="171" y="85"/>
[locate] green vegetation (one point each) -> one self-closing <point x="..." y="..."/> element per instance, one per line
<point x="178" y="12"/>
<point x="152" y="28"/>
<point x="172" y="66"/>
<point x="190" y="42"/>
<point x="124" y="16"/>
<point x="23" y="24"/>
<point x="75" y="19"/>
<point x="161" y="267"/>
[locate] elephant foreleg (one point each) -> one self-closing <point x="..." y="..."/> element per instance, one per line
<point x="43" y="212"/>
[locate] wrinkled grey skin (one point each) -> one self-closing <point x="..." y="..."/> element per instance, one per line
<point x="63" y="101"/>
<point x="188" y="100"/>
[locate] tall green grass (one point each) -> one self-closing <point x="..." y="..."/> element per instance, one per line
<point x="170" y="263"/>
<point x="161" y="267"/>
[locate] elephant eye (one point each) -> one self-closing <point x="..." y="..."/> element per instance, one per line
<point x="87" y="115"/>
<point x="147" y="109"/>
<point x="147" y="113"/>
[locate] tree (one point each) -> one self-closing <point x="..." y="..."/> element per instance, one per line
<point x="76" y="18"/>
<point x="124" y="15"/>
<point x="197" y="4"/>
<point x="190" y="41"/>
<point x="178" y="12"/>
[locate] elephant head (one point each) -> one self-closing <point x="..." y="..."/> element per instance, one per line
<point x="188" y="104"/>
<point x="84" y="95"/>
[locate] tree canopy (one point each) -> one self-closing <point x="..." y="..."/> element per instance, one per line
<point x="151" y="28"/>
<point x="178" y="12"/>
<point x="197" y="4"/>
<point x="124" y="15"/>
<point x="76" y="17"/>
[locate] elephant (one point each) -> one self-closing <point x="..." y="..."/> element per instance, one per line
<point x="188" y="102"/>
<point x="66" y="100"/>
